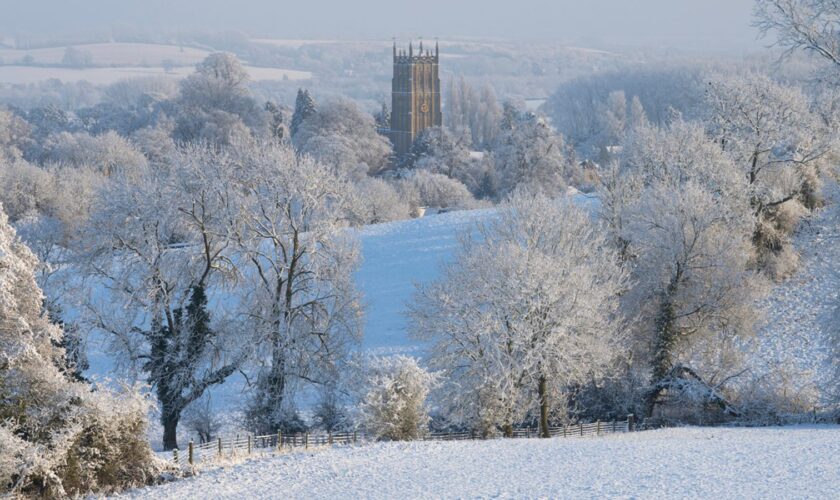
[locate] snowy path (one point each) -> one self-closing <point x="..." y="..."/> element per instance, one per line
<point x="797" y="462"/>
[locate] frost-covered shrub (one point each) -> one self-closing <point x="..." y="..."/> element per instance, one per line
<point x="109" y="450"/>
<point x="378" y="201"/>
<point x="330" y="414"/>
<point x="777" y="396"/>
<point x="437" y="190"/>
<point x="394" y="407"/>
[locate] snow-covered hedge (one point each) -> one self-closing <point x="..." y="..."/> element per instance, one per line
<point x="58" y="437"/>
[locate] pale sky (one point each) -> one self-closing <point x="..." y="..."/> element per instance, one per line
<point x="712" y="24"/>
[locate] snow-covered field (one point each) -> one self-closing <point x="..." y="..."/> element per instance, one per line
<point x="793" y="462"/>
<point x="112" y="54"/>
<point x="21" y="75"/>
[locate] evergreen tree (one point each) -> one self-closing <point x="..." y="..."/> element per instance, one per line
<point x="304" y="108"/>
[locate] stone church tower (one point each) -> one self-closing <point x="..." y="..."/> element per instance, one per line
<point x="415" y="95"/>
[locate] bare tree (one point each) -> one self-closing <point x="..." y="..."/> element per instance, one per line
<point x="809" y="25"/>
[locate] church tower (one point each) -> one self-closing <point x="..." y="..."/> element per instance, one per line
<point x="415" y="95"/>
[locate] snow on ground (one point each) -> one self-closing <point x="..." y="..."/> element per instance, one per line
<point x="793" y="462"/>
<point x="396" y="257"/>
<point x="799" y="309"/>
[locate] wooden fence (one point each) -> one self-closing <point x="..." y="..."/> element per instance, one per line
<point x="248" y="444"/>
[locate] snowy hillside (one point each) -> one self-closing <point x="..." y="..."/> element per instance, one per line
<point x="800" y="309"/>
<point x="398" y="255"/>
<point x="672" y="463"/>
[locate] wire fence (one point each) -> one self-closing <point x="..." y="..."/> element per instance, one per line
<point x="245" y="445"/>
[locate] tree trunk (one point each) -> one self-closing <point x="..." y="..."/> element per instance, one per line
<point x="542" y="390"/>
<point x="170" y="430"/>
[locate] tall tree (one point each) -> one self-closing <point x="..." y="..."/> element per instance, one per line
<point x="344" y="137"/>
<point x="678" y="210"/>
<point x="155" y="246"/>
<point x="298" y="263"/>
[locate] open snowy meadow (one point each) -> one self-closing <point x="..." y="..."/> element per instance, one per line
<point x="786" y="462"/>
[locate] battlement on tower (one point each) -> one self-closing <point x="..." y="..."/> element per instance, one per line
<point x="401" y="56"/>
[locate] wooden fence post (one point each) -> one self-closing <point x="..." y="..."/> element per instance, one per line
<point x="565" y="429"/>
<point x="306" y="441"/>
<point x="613" y="425"/>
<point x="597" y="427"/>
<point x="190" y="452"/>
<point x="249" y="444"/>
<point x="354" y="437"/>
<point x="580" y="424"/>
<point x="630" y="423"/>
<point x="175" y="455"/>
<point x="279" y="440"/>
<point x="329" y="437"/>
<point x="220" y="447"/>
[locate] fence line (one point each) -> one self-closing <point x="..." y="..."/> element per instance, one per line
<point x="248" y="444"/>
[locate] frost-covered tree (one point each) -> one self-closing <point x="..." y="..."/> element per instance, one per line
<point x="476" y="113"/>
<point x="383" y="118"/>
<point x="154" y="249"/>
<point x="776" y="142"/>
<point x="678" y="211"/>
<point x="527" y="310"/>
<point x="529" y="154"/>
<point x="215" y="104"/>
<point x="393" y="406"/>
<point x="58" y="438"/>
<point x="297" y="265"/>
<point x="277" y="125"/>
<point x="342" y="136"/>
<point x="14" y="136"/>
<point x="809" y="25"/>
<point x="693" y="287"/>
<point x="106" y="153"/>
<point x="304" y="108"/>
<point x="680" y="151"/>
<point x="614" y="117"/>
